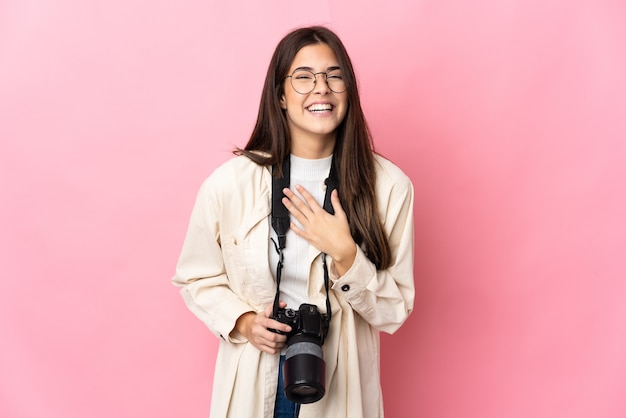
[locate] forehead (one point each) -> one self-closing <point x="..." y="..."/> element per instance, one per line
<point x="318" y="57"/>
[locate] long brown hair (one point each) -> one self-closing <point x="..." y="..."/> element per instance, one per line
<point x="354" y="148"/>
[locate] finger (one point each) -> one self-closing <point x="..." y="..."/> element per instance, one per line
<point x="334" y="200"/>
<point x="308" y="198"/>
<point x="293" y="201"/>
<point x="270" y="336"/>
<point x="279" y="326"/>
<point x="291" y="197"/>
<point x="272" y="343"/>
<point x="272" y="347"/>
<point x="264" y="335"/>
<point x="272" y="323"/>
<point x="300" y="213"/>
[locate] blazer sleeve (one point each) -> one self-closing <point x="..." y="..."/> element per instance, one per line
<point x="384" y="298"/>
<point x="201" y="272"/>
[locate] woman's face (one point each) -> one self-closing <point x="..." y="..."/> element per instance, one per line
<point x="313" y="117"/>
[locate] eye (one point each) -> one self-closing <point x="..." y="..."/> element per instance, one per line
<point x="302" y="75"/>
<point x="335" y="76"/>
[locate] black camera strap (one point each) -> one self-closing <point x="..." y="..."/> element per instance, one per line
<point x="280" y="214"/>
<point x="281" y="221"/>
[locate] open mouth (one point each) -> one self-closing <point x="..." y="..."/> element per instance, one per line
<point x="320" y="108"/>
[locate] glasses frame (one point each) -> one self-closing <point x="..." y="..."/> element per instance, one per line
<point x="314" y="80"/>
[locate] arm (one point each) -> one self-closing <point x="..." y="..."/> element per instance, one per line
<point x="205" y="285"/>
<point x="384" y="298"/>
<point x="201" y="272"/>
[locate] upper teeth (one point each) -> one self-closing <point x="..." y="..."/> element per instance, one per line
<point x="316" y="107"/>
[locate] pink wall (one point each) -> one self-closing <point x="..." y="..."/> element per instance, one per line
<point x="508" y="116"/>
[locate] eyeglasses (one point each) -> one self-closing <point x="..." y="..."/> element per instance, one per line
<point x="303" y="81"/>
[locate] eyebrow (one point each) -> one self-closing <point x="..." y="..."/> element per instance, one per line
<point x="336" y="67"/>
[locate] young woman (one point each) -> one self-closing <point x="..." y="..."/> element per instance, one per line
<point x="350" y="259"/>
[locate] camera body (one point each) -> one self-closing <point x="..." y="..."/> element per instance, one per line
<point x="304" y="370"/>
<point x="306" y="321"/>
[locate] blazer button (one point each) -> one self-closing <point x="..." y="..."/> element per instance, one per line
<point x="345" y="287"/>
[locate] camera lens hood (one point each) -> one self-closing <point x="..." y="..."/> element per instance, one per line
<point x="305" y="376"/>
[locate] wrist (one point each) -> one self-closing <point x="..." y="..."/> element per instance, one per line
<point x="344" y="259"/>
<point x="242" y="325"/>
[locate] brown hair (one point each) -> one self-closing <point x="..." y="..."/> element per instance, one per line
<point x="354" y="148"/>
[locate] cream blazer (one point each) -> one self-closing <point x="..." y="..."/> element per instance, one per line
<point x="223" y="272"/>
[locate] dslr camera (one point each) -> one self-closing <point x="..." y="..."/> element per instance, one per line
<point x="304" y="371"/>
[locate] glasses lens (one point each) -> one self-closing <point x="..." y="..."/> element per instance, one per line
<point x="335" y="81"/>
<point x="303" y="81"/>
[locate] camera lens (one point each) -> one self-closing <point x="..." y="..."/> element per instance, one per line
<point x="304" y="371"/>
<point x="304" y="391"/>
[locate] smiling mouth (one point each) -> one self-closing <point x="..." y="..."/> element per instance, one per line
<point x="320" y="108"/>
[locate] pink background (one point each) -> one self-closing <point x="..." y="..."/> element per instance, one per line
<point x="508" y="116"/>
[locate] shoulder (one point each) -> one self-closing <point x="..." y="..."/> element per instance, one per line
<point x="394" y="192"/>
<point x="236" y="163"/>
<point x="237" y="169"/>
<point x="390" y="175"/>
<point x="239" y="173"/>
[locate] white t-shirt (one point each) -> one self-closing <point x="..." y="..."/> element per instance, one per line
<point x="310" y="174"/>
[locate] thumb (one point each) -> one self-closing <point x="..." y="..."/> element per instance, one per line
<point x="334" y="200"/>
<point x="269" y="309"/>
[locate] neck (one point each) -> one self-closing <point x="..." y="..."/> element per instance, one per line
<point x="313" y="148"/>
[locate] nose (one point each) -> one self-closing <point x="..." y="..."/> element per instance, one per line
<point x="321" y="85"/>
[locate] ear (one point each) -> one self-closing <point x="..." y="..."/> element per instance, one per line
<point x="283" y="102"/>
